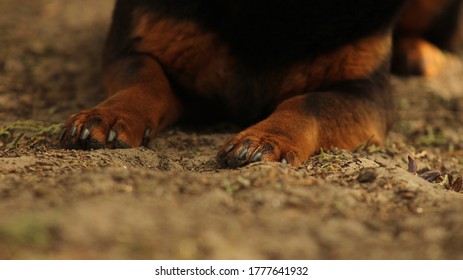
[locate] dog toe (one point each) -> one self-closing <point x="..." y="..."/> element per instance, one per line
<point x="249" y="147"/>
<point x="100" y="128"/>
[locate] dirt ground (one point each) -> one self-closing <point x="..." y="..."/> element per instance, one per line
<point x="172" y="202"/>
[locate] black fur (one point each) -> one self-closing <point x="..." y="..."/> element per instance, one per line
<point x="273" y="33"/>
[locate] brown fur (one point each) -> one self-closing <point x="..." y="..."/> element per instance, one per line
<point x="291" y="134"/>
<point x="195" y="58"/>
<point x="424" y="28"/>
<point x="416" y="56"/>
<point x="355" y="61"/>
<point x="293" y="131"/>
<point x="137" y="101"/>
<point x="160" y="67"/>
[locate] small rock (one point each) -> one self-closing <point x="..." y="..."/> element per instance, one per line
<point x="367" y="175"/>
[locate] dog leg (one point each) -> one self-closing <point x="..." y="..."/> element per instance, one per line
<point x="140" y="103"/>
<point x="302" y="125"/>
<point x="424" y="31"/>
<point x="415" y="56"/>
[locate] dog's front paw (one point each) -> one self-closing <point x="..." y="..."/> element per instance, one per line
<point x="105" y="128"/>
<point x="253" y="145"/>
<point x="414" y="56"/>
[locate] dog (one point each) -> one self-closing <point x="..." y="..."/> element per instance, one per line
<point x="305" y="75"/>
<point x="424" y="29"/>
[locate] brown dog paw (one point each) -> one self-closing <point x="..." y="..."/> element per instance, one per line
<point x="415" y="56"/>
<point x="253" y="146"/>
<point x="105" y="128"/>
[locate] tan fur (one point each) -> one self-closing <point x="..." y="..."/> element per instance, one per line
<point x="418" y="57"/>
<point x="195" y="58"/>
<point x="354" y="61"/>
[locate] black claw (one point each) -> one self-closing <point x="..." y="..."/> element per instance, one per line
<point x="257" y="157"/>
<point x="62" y="134"/>
<point x="111" y="136"/>
<point x="146" y="137"/>
<point x="74" y="131"/>
<point x="242" y="153"/>
<point x="147" y="133"/>
<point x="229" y="148"/>
<point x="85" y="134"/>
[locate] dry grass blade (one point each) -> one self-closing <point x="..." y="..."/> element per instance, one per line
<point x="431" y="175"/>
<point x="450" y="180"/>
<point x="456" y="186"/>
<point x="412" y="166"/>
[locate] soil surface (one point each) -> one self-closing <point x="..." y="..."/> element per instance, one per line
<point x="172" y="202"/>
